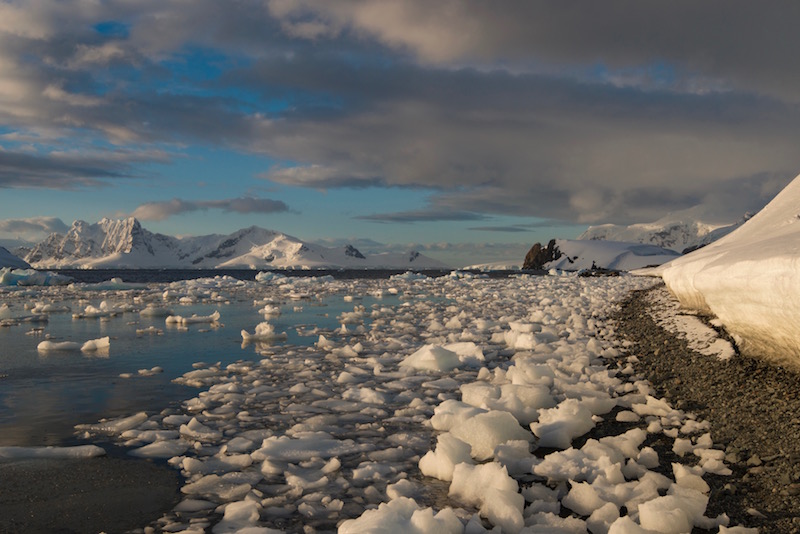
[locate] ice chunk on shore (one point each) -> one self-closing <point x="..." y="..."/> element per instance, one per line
<point x="558" y="426"/>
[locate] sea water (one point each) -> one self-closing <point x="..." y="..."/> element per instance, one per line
<point x="44" y="394"/>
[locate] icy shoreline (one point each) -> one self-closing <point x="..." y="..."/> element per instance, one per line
<point x="309" y="437"/>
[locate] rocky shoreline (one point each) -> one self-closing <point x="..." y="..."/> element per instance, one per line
<point x="753" y="408"/>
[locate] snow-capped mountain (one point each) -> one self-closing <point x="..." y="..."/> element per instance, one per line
<point x="7" y="259"/>
<point x="680" y="232"/>
<point x="125" y="244"/>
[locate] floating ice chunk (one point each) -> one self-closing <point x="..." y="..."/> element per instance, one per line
<point x="115" y="426"/>
<point x="485" y="431"/>
<point x="306" y="446"/>
<point x="48" y="346"/>
<point x="226" y="489"/>
<point x="80" y="451"/>
<point x="194" y="319"/>
<point x="264" y="277"/>
<point x="403" y="516"/>
<point x="264" y="332"/>
<point x="432" y="358"/>
<point x="153" y="310"/>
<point x="558" y="426"/>
<point x="31" y="277"/>
<point x="488" y="487"/>
<point x="450" y="451"/>
<point x="100" y="344"/>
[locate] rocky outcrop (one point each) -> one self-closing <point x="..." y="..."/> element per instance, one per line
<point x="538" y="256"/>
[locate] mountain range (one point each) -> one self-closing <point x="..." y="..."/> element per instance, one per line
<point x="682" y="232"/>
<point x="125" y="244"/>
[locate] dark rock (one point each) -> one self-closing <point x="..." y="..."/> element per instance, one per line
<point x="538" y="256"/>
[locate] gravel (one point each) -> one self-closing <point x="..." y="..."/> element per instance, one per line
<point x="103" y="494"/>
<point x="753" y="408"/>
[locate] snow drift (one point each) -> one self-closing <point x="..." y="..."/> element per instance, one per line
<point x="749" y="279"/>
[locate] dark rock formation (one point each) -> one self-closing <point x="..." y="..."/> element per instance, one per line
<point x="538" y="256"/>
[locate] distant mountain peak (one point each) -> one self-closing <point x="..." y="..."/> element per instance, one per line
<point x="125" y="243"/>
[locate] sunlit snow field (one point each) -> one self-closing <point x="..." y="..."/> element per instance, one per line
<point x="407" y="404"/>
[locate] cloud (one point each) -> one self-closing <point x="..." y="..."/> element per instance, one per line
<point x="60" y="171"/>
<point x="748" y="48"/>
<point x="158" y="211"/>
<point x="32" y="229"/>
<point x="503" y="229"/>
<point x="421" y="215"/>
<point x="538" y="109"/>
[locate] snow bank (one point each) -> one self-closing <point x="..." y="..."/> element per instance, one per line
<point x="749" y="279"/>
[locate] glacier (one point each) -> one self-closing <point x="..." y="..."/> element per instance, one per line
<point x="125" y="244"/>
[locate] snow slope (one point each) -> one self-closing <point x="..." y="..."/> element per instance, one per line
<point x="7" y="259"/>
<point x="579" y="255"/>
<point x="749" y="279"/>
<point x="677" y="231"/>
<point x="126" y="244"/>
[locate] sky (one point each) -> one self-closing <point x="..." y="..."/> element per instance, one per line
<point x="465" y="129"/>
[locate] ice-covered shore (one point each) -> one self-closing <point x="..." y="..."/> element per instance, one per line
<point x="466" y="407"/>
<point x="749" y="279"/>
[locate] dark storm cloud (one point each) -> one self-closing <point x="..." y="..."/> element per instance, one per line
<point x="58" y="171"/>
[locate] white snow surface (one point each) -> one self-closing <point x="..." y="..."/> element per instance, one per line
<point x="125" y="244"/>
<point x="622" y="256"/>
<point x="501" y="375"/>
<point x="749" y="279"/>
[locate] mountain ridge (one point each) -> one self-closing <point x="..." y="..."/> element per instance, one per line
<point x="126" y="244"/>
<point x="681" y="232"/>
